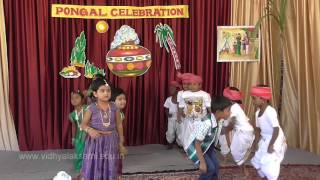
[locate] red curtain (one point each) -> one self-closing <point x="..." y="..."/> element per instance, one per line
<point x="39" y="46"/>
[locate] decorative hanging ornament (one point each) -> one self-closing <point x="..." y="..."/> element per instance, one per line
<point x="77" y="58"/>
<point x="126" y="57"/>
<point x="164" y="35"/>
<point x="102" y="26"/>
<point x="78" y="54"/>
<point x="91" y="70"/>
<point x="70" y="72"/>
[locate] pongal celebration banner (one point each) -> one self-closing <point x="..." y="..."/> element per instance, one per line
<point x="118" y="12"/>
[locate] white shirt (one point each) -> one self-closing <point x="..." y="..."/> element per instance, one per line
<point x="173" y="108"/>
<point x="267" y="121"/>
<point x="241" y="120"/>
<point x="179" y="96"/>
<point x="193" y="101"/>
<point x="201" y="130"/>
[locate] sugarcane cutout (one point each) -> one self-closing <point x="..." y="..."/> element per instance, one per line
<point x="164" y="35"/>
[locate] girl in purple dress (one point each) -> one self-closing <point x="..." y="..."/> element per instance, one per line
<point x="104" y="144"/>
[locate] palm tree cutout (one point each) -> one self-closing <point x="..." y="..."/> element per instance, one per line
<point x="164" y="35"/>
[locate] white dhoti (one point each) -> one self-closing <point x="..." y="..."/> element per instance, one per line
<point x="268" y="164"/>
<point x="187" y="128"/>
<point x="224" y="147"/>
<point x="181" y="132"/>
<point x="173" y="131"/>
<point x="241" y="145"/>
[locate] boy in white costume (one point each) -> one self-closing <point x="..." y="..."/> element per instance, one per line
<point x="243" y="132"/>
<point x="194" y="106"/>
<point x="272" y="142"/>
<point x="171" y="106"/>
<point x="184" y="79"/>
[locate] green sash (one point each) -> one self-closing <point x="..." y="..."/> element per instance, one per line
<point x="210" y="139"/>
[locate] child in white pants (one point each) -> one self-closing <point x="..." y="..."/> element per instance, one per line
<point x="184" y="79"/>
<point x="272" y="142"/>
<point x="225" y="141"/>
<point x="194" y="106"/>
<point x="243" y="133"/>
<point x="171" y="105"/>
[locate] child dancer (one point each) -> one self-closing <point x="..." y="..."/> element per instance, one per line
<point x="118" y="96"/>
<point x="171" y="105"/>
<point x="243" y="133"/>
<point x="184" y="78"/>
<point x="272" y="143"/>
<point x="104" y="145"/>
<point x="88" y="93"/>
<point x="195" y="105"/>
<point x="205" y="136"/>
<point x="76" y="117"/>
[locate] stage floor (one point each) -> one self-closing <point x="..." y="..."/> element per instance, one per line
<point x="43" y="165"/>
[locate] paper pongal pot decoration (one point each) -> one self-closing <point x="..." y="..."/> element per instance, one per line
<point x="126" y="57"/>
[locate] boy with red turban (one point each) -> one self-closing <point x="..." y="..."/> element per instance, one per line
<point x="243" y="132"/>
<point x="184" y="79"/>
<point x="194" y="105"/>
<point x="272" y="142"/>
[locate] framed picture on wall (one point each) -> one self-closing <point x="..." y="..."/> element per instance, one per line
<point x="238" y="44"/>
